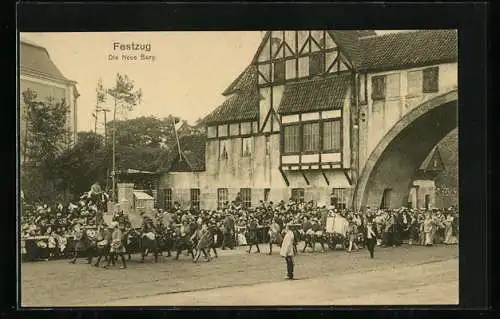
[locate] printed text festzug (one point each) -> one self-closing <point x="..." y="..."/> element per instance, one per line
<point x="128" y="52"/>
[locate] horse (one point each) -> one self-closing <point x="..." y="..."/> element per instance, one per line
<point x="183" y="242"/>
<point x="275" y="237"/>
<point x="143" y="243"/>
<point x="311" y="238"/>
<point x="84" y="246"/>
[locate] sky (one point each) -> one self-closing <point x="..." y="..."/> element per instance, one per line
<point x="186" y="79"/>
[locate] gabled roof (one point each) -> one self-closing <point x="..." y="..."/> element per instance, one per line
<point x="348" y="42"/>
<point x="365" y="50"/>
<point x="244" y="81"/>
<point x="242" y="106"/>
<point x="315" y="95"/>
<point x="405" y="49"/>
<point x="36" y="59"/>
<point x="433" y="161"/>
<point x="192" y="157"/>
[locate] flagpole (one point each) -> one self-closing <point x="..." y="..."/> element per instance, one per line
<point x="177" y="139"/>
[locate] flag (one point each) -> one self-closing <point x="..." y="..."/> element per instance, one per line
<point x="177" y="123"/>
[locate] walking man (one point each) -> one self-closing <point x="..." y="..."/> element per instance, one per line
<point x="228" y="232"/>
<point x="287" y="251"/>
<point x="371" y="237"/>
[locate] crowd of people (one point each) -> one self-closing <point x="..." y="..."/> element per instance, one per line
<point x="235" y="224"/>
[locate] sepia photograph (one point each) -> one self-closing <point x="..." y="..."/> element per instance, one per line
<point x="238" y="168"/>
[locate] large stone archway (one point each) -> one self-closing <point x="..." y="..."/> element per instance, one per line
<point x="396" y="159"/>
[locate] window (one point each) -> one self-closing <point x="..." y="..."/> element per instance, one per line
<point x="298" y="194"/>
<point x="222" y="130"/>
<point x="291" y="71"/>
<point x="212" y="131"/>
<point x="317" y="63"/>
<point x="339" y="198"/>
<point x="167" y="193"/>
<point x="255" y="127"/>
<point x="393" y="85"/>
<point x="266" y="194"/>
<point x="246" y="128"/>
<point x="430" y="80"/>
<point x="234" y="129"/>
<point x="362" y="88"/>
<point x="414" y="80"/>
<point x="195" y="198"/>
<point x="279" y="71"/>
<point x="222" y="197"/>
<point x="331" y="135"/>
<point x="246" y="146"/>
<point x="291" y="138"/>
<point x="246" y="197"/>
<point x="311" y="137"/>
<point x="223" y="147"/>
<point x="268" y="145"/>
<point x="378" y="87"/>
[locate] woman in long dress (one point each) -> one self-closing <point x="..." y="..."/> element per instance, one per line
<point x="274" y="236"/>
<point x="428" y="226"/>
<point x="449" y="239"/>
<point x="117" y="247"/>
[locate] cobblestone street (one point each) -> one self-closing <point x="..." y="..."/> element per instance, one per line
<point x="402" y="275"/>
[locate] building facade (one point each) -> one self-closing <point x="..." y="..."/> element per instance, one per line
<point x="39" y="73"/>
<point x="304" y="118"/>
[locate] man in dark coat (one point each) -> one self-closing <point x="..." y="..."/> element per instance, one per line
<point x="370" y="235"/>
<point x="228" y="232"/>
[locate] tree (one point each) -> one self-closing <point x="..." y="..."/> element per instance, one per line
<point x="124" y="98"/>
<point x="47" y="132"/>
<point x="46" y="137"/>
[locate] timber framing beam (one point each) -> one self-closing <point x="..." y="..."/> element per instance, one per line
<point x="305" y="177"/>
<point x="326" y="179"/>
<point x="349" y="180"/>
<point x="284" y="177"/>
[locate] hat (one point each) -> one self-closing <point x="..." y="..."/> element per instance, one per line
<point x="113" y="225"/>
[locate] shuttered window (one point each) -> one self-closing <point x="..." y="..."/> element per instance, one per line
<point x="430" y="80"/>
<point x="317" y="63"/>
<point x="195" y="198"/>
<point x="378" y="87"/>
<point x="167" y="193"/>
<point x="222" y="197"/>
<point x="246" y="197"/>
<point x="279" y="71"/>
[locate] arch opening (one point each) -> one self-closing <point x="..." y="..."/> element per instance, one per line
<point x="395" y="161"/>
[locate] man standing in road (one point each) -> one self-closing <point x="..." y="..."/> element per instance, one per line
<point x="228" y="232"/>
<point x="287" y="251"/>
<point x="371" y="236"/>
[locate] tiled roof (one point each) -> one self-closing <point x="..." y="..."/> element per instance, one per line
<point x="245" y="80"/>
<point x="315" y="95"/>
<point x="348" y="42"/>
<point x="428" y="162"/>
<point x="405" y="49"/>
<point x="36" y="59"/>
<point x="242" y="106"/>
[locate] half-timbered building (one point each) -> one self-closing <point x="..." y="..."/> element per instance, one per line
<point x="304" y="116"/>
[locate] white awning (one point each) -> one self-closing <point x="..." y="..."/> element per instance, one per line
<point x="142" y="195"/>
